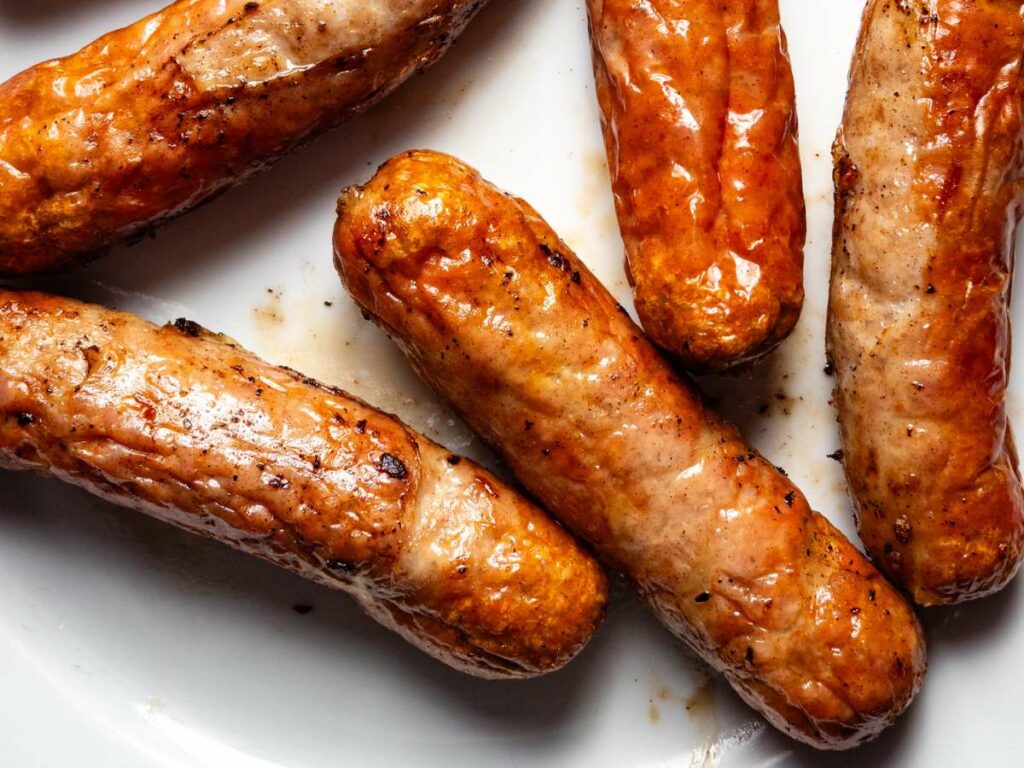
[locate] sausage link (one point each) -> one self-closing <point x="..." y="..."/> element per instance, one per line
<point x="150" y="121"/>
<point x="700" y="125"/>
<point x="498" y="315"/>
<point x="189" y="428"/>
<point x="927" y="198"/>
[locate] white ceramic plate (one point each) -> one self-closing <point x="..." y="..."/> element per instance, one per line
<point x="127" y="643"/>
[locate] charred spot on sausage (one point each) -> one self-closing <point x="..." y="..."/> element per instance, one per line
<point x="392" y="467"/>
<point x="188" y="327"/>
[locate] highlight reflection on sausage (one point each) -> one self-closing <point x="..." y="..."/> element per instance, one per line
<point x="189" y="428"/>
<point x="498" y="315"/>
<point x="699" y="116"/>
<point x="150" y="121"/>
<point x="928" y="190"/>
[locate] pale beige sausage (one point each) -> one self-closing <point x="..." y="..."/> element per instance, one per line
<point x="927" y="192"/>
<point x="498" y="315"/>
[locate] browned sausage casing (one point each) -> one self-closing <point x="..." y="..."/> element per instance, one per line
<point x="927" y="197"/>
<point x="188" y="427"/>
<point x="497" y="314"/>
<point x="699" y="117"/>
<point x="152" y="120"/>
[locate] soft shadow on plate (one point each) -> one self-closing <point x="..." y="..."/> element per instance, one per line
<point x="971" y="623"/>
<point x="747" y="396"/>
<point x="890" y="750"/>
<point x="259" y="597"/>
<point x="26" y="11"/>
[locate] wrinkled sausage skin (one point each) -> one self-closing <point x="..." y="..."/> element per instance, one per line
<point x="699" y="116"/>
<point x="150" y="121"/>
<point x="927" y="198"/>
<point x="189" y="428"/>
<point x="498" y="316"/>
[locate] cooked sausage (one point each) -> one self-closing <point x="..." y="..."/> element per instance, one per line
<point x="152" y="120"/>
<point x="700" y="124"/>
<point x="498" y="315"/>
<point x="927" y="197"/>
<point x="188" y="427"/>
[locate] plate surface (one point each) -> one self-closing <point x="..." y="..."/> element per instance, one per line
<point x="127" y="643"/>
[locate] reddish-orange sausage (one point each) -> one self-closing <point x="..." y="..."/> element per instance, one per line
<point x="700" y="125"/>
<point x="152" y="120"/>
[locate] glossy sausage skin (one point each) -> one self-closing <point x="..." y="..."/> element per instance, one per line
<point x="927" y="197"/>
<point x="154" y="119"/>
<point x="700" y="124"/>
<point x="187" y="427"/>
<point x="497" y="315"/>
